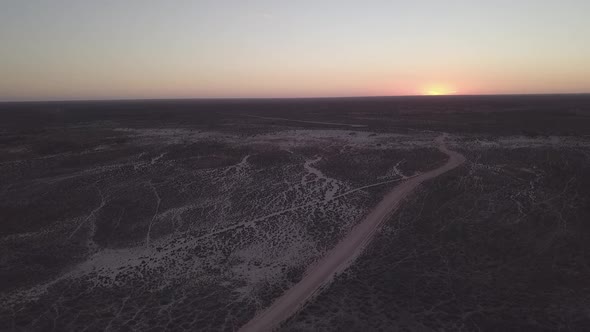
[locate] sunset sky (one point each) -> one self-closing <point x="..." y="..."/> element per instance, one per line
<point x="57" y="49"/>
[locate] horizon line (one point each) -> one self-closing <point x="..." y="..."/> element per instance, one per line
<point x="284" y="98"/>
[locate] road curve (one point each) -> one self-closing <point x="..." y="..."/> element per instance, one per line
<point x="346" y="251"/>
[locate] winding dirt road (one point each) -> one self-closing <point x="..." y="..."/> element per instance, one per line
<point x="347" y="250"/>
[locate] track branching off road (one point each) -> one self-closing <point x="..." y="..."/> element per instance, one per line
<point x="346" y="251"/>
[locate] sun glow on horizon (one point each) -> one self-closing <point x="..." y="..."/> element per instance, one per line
<point x="438" y="90"/>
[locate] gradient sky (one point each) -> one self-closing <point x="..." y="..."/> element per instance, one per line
<point x="57" y="49"/>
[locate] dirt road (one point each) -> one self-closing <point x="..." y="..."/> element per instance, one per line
<point x="346" y="251"/>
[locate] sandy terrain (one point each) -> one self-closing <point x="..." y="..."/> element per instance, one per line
<point x="339" y="258"/>
<point x="198" y="215"/>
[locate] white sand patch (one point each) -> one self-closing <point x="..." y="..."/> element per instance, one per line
<point x="259" y="266"/>
<point x="288" y="140"/>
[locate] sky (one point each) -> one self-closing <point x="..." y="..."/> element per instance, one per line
<point x="60" y="49"/>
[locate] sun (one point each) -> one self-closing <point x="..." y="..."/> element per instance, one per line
<point x="435" y="93"/>
<point x="438" y="90"/>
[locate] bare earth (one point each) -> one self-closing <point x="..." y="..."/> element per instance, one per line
<point x="187" y="215"/>
<point x="345" y="252"/>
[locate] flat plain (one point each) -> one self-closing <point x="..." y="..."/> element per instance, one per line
<point x="199" y="214"/>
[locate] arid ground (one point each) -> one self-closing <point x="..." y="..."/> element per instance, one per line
<point x="199" y="215"/>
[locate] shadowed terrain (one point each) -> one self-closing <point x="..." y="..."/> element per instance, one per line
<point x="196" y="215"/>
